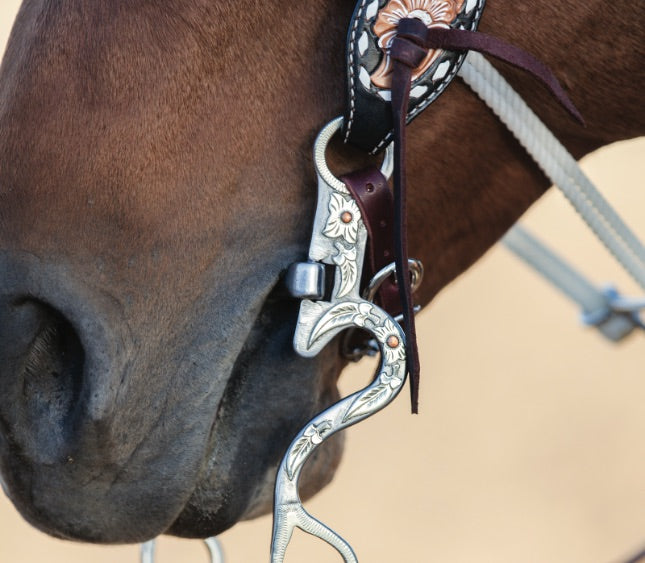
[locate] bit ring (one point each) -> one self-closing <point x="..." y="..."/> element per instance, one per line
<point x="320" y="162"/>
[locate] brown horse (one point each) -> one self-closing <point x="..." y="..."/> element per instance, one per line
<point x="156" y="179"/>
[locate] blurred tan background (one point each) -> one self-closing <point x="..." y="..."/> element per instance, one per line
<point x="530" y="443"/>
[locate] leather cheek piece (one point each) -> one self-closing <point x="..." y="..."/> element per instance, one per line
<point x="370" y="190"/>
<point x="368" y="116"/>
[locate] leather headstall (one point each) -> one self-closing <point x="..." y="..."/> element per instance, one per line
<point x="368" y="117"/>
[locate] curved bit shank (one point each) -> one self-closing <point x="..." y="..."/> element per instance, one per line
<point x="339" y="238"/>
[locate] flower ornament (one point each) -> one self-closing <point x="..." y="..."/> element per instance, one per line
<point x="343" y="219"/>
<point x="391" y="378"/>
<point x="316" y="433"/>
<point x="392" y="344"/>
<point x="365" y="314"/>
<point x="433" y="13"/>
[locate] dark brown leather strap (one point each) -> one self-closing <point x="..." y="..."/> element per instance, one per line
<point x="406" y="56"/>
<point x="451" y="39"/>
<point x="372" y="194"/>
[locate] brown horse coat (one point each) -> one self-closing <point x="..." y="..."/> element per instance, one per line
<point x="156" y="179"/>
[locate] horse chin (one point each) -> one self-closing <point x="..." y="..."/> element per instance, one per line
<point x="271" y="394"/>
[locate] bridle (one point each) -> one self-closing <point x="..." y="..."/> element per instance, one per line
<point x="348" y="281"/>
<point x="340" y="239"/>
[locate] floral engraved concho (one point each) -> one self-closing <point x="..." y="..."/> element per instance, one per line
<point x="433" y="13"/>
<point x="368" y="121"/>
<point x="343" y="219"/>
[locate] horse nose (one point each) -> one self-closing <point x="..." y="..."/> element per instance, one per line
<point x="41" y="370"/>
<point x="68" y="443"/>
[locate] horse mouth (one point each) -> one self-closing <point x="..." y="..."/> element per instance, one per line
<point x="270" y="394"/>
<point x="90" y="453"/>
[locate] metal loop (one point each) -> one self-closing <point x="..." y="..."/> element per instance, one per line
<point x="214" y="549"/>
<point x="416" y="273"/>
<point x="320" y="161"/>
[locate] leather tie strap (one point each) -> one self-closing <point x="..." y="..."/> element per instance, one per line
<point x="406" y="56"/>
<point x="408" y="49"/>
<point x="426" y="38"/>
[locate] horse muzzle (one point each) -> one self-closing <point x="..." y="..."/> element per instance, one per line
<point x="112" y="434"/>
<point x="74" y="433"/>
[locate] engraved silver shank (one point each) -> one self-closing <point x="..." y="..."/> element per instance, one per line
<point x="339" y="238"/>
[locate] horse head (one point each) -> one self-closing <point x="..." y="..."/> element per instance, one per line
<point x="155" y="183"/>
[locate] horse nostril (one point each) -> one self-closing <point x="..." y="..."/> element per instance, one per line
<point x="43" y="368"/>
<point x="54" y="361"/>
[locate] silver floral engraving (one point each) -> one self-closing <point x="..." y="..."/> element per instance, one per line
<point x="343" y="219"/>
<point x="342" y="228"/>
<point x="312" y="436"/>
<point x="342" y="315"/>
<point x="345" y="259"/>
<point x="339" y="239"/>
